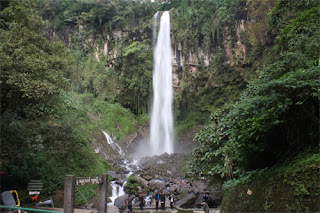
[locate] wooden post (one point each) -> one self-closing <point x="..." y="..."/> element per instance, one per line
<point x="103" y="194"/>
<point x="69" y="182"/>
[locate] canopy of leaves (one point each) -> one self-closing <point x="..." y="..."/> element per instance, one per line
<point x="32" y="68"/>
<point x="98" y="16"/>
<point x="202" y="23"/>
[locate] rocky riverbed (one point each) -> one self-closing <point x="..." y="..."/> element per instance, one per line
<point x="167" y="173"/>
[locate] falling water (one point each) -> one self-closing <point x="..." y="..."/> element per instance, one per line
<point x="117" y="191"/>
<point x="155" y="21"/>
<point x="162" y="132"/>
<point x="114" y="145"/>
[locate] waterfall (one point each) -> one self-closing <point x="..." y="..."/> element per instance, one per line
<point x="117" y="191"/>
<point x="162" y="132"/>
<point x="154" y="34"/>
<point x="113" y="144"/>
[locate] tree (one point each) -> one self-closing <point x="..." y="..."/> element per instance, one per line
<point x="136" y="76"/>
<point x="131" y="186"/>
<point x="32" y="67"/>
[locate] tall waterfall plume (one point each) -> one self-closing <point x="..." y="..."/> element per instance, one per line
<point x="162" y="131"/>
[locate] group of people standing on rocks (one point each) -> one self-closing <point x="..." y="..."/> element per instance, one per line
<point x="161" y="197"/>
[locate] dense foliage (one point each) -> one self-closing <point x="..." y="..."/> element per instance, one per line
<point x="278" y="115"/>
<point x="110" y="46"/>
<point x="288" y="187"/>
<point x="201" y="23"/>
<point x="32" y="68"/>
<point x="136" y="77"/>
<point x="203" y="28"/>
<point x="132" y="185"/>
<point x="44" y="127"/>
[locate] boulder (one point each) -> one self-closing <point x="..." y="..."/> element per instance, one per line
<point x="160" y="162"/>
<point x="120" y="181"/>
<point x="156" y="185"/>
<point x="147" y="177"/>
<point x="174" y="188"/>
<point x="196" y="191"/>
<point x="215" y="199"/>
<point x="119" y="201"/>
<point x="186" y="189"/>
<point x="115" y="175"/>
<point x="187" y="201"/>
<point x="200" y="185"/>
<point x="160" y="185"/>
<point x="142" y="182"/>
<point x="152" y="184"/>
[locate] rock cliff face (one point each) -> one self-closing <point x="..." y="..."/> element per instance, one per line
<point x="107" y="48"/>
<point x="235" y="54"/>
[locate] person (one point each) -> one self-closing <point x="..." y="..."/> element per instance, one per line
<point x="203" y="179"/>
<point x="141" y="200"/>
<point x="130" y="204"/>
<point x="126" y="205"/>
<point x="205" y="207"/>
<point x="163" y="201"/>
<point x="34" y="198"/>
<point x="171" y="198"/>
<point x="206" y="197"/>
<point x="157" y="200"/>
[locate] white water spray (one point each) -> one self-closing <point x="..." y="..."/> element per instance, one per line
<point x="162" y="131"/>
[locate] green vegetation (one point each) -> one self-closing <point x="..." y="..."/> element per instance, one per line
<point x="200" y="23"/>
<point x="202" y="26"/>
<point x="111" y="47"/>
<point x="44" y="126"/>
<point x="131" y="186"/>
<point x="137" y="77"/>
<point x="287" y="187"/>
<point x="276" y="118"/>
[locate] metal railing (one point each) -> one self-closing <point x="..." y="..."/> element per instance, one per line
<point x="27" y="209"/>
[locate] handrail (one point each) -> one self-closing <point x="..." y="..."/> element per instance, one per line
<point x="27" y="209"/>
<point x="17" y="196"/>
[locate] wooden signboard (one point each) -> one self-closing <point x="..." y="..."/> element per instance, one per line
<point x="88" y="180"/>
<point x="69" y="187"/>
